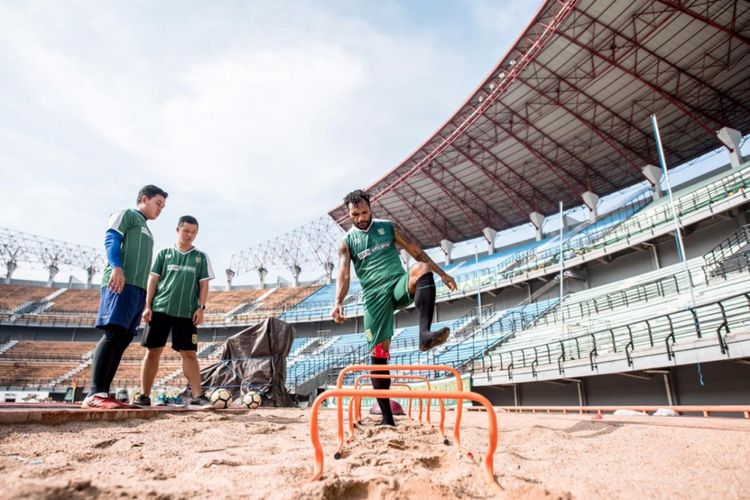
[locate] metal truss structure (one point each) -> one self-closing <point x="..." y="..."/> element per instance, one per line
<point x="17" y="247"/>
<point x="566" y="112"/>
<point x="315" y="242"/>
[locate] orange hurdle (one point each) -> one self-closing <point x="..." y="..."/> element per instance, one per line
<point x="370" y="368"/>
<point x="422" y="378"/>
<point x="353" y="417"/>
<point x="457" y="395"/>
<point x="357" y="402"/>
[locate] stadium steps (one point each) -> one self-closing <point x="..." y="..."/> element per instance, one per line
<point x="7" y="345"/>
<point x="72" y="372"/>
<point x="45" y="304"/>
<point x="206" y="350"/>
<point x="87" y="359"/>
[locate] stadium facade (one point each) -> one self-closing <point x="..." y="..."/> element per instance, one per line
<point x="599" y="310"/>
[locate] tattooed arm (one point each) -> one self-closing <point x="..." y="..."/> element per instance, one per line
<point x="342" y="284"/>
<point x="415" y="250"/>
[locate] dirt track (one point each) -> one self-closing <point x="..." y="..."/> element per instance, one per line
<point x="267" y="454"/>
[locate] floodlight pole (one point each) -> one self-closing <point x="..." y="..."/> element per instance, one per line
<point x="479" y="291"/>
<point x="562" y="272"/>
<point x="677" y="232"/>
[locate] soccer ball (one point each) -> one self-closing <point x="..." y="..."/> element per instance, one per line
<point x="251" y="400"/>
<point x="221" y="398"/>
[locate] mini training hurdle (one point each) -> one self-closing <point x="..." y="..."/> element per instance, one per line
<point x="457" y="395"/>
<point x="416" y="368"/>
<point x="354" y="419"/>
<point x="355" y="405"/>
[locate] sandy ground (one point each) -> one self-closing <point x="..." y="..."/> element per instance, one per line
<point x="266" y="453"/>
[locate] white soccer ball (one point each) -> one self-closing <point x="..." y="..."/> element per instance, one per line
<point x="251" y="400"/>
<point x="221" y="398"/>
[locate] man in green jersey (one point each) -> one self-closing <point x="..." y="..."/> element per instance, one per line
<point x="129" y="245"/>
<point x="370" y="245"/>
<point x="175" y="302"/>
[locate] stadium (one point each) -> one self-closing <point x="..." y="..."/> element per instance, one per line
<point x="590" y="198"/>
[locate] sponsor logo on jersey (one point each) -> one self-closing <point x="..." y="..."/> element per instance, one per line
<point x="381" y="231"/>
<point x="144" y="230"/>
<point x="175" y="267"/>
<point x="198" y="259"/>
<point x="377" y="248"/>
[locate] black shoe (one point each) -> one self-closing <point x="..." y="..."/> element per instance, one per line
<point x="201" y="400"/>
<point x="433" y="339"/>
<point x="142" y="401"/>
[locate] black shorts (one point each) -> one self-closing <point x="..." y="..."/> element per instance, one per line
<point x="184" y="332"/>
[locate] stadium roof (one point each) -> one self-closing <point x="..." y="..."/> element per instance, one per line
<point x="567" y="110"/>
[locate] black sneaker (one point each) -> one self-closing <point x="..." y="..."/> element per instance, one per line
<point x="142" y="401"/>
<point x="201" y="400"/>
<point x="433" y="339"/>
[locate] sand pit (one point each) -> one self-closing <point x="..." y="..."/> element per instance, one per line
<point x="266" y="453"/>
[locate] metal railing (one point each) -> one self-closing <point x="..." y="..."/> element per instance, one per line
<point x="713" y="320"/>
<point x="729" y="255"/>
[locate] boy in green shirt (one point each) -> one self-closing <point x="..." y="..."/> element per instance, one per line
<point x="175" y="302"/>
<point x="128" y="244"/>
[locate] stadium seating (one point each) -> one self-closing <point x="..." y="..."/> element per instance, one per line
<point x="51" y="364"/>
<point x="86" y="301"/>
<point x="224" y="301"/>
<point x="48" y="350"/>
<point x="12" y="297"/>
<point x="646" y="312"/>
<point x="30" y="373"/>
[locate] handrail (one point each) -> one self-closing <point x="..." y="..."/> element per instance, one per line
<point x="705" y="410"/>
<point x="689" y="315"/>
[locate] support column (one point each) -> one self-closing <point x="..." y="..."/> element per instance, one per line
<point x="262" y="273"/>
<point x="731" y="138"/>
<point x="581" y="393"/>
<point x="296" y="270"/>
<point x="668" y="387"/>
<point x="537" y="220"/>
<point x="516" y="395"/>
<point x="654" y="256"/>
<point x="11" y="266"/>
<point x="489" y="235"/>
<point x="90" y="272"/>
<point x="447" y="247"/>
<point x="653" y="174"/>
<point x="53" y="269"/>
<point x="592" y="202"/>
<point x="230" y="276"/>
<point x="328" y="266"/>
<point x="741" y="218"/>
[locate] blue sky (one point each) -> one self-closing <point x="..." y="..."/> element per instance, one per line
<point x="255" y="116"/>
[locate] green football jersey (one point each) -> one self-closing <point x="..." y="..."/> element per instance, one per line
<point x="179" y="276"/>
<point x="137" y="247"/>
<point x="374" y="255"/>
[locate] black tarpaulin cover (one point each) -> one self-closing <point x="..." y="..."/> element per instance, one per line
<point x="254" y="359"/>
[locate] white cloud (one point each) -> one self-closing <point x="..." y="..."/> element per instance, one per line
<point x="256" y="117"/>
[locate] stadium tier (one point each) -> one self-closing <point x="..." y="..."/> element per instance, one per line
<point x="58" y="364"/>
<point x="637" y="220"/>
